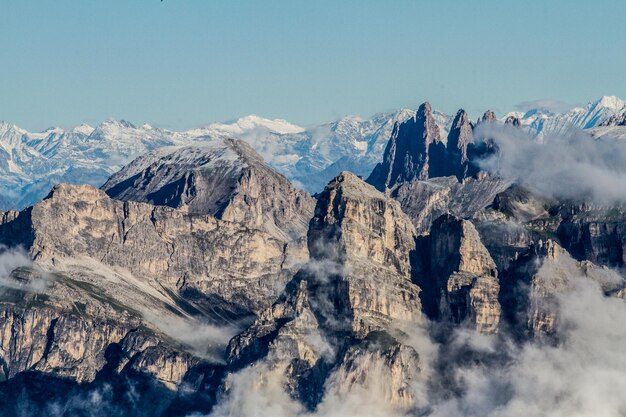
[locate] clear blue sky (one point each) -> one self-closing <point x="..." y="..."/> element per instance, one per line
<point x="184" y="63"/>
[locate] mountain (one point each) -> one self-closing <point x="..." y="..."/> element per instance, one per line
<point x="594" y="114"/>
<point x="224" y="178"/>
<point x="31" y="163"/>
<point x="408" y="152"/>
<point x="199" y="281"/>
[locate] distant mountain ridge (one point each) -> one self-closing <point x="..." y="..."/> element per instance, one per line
<point x="31" y="163"/>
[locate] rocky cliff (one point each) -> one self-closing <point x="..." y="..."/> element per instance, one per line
<point x="414" y="151"/>
<point x="355" y="290"/>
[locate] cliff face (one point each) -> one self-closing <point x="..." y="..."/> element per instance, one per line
<point x="462" y="280"/>
<point x="459" y="139"/>
<point x="425" y="201"/>
<point x="184" y="252"/>
<point x="357" y="285"/>
<point x="408" y="152"/>
<point x="210" y="267"/>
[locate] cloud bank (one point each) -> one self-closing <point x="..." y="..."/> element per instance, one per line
<point x="573" y="165"/>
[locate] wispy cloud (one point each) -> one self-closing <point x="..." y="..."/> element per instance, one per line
<point x="571" y="165"/>
<point x="554" y="106"/>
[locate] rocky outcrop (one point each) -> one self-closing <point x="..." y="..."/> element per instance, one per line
<point x="371" y="240"/>
<point x="513" y="121"/>
<point x="463" y="280"/>
<point x="74" y="329"/>
<point x="243" y="269"/>
<point x="223" y="178"/>
<point x="459" y="138"/>
<point x="425" y="201"/>
<point x="358" y="281"/>
<point x="533" y="284"/>
<point x="414" y="151"/>
<point x="382" y="366"/>
<point x="488" y="116"/>
<point x="597" y="234"/>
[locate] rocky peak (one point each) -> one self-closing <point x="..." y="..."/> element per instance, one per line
<point x="513" y="121"/>
<point x="459" y="139"/>
<point x="223" y="178"/>
<point x="357" y="222"/>
<point x="489" y="116"/>
<point x="406" y="156"/>
<point x="155" y="244"/>
<point x="354" y="290"/>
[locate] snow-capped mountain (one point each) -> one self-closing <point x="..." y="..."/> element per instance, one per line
<point x="31" y="163"/>
<point x="543" y="122"/>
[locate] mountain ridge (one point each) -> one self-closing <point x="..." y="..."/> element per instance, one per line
<point x="31" y="163"/>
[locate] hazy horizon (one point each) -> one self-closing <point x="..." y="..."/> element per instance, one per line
<point x="187" y="64"/>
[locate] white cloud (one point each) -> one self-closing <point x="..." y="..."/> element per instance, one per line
<point x="567" y="166"/>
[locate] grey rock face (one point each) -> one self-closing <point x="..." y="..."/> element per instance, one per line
<point x="463" y="281"/>
<point x="408" y="151"/>
<point x="488" y="116"/>
<point x="513" y="121"/>
<point x="223" y="178"/>
<point x="594" y="234"/>
<point x="246" y="268"/>
<point x="424" y="201"/>
<point x="357" y="282"/>
<point x="532" y="287"/>
<point x="459" y="138"/>
<point x="74" y="329"/>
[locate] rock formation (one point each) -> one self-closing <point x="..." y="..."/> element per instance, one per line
<point x="357" y="283"/>
<point x="459" y="138"/>
<point x="513" y="121"/>
<point x="462" y="283"/>
<point x="408" y="152"/>
<point x="223" y="178"/>
<point x="184" y="252"/>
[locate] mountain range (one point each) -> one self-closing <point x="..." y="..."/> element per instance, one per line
<point x="466" y="273"/>
<point x="31" y="163"/>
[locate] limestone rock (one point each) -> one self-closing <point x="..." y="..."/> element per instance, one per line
<point x="463" y="283"/>
<point x="187" y="253"/>
<point x="358" y="281"/>
<point x="425" y="201"/>
<point x="459" y="138"/>
<point x="513" y="121"/>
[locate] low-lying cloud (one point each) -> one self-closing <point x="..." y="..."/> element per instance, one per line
<point x="475" y="375"/>
<point x="12" y="259"/>
<point x="571" y="165"/>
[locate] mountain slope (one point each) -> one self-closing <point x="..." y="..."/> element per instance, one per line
<point x="543" y="122"/>
<point x="223" y="178"/>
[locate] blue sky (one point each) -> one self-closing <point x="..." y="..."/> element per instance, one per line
<point x="185" y="63"/>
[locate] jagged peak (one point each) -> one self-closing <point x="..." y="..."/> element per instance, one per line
<point x="460" y="119"/>
<point x="512" y="120"/>
<point x="488" y="116"/>
<point x="75" y="192"/>
<point x="83" y="128"/>
<point x="353" y="185"/>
